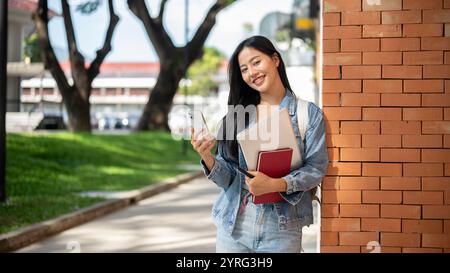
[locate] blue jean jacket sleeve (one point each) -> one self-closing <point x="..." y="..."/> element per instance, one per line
<point x="315" y="164"/>
<point x="222" y="172"/>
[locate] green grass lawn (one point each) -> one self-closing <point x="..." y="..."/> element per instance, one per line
<point x="44" y="172"/>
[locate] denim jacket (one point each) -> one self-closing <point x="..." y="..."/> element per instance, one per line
<point x="297" y="211"/>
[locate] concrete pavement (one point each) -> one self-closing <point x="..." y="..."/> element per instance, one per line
<point x="178" y="220"/>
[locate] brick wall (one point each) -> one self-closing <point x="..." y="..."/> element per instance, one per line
<point x="386" y="97"/>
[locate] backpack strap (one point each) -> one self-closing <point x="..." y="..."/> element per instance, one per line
<point x="302" y="117"/>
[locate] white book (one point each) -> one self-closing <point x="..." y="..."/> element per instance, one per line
<point x="270" y="133"/>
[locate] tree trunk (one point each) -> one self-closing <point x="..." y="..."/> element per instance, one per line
<point x="78" y="111"/>
<point x="156" y="111"/>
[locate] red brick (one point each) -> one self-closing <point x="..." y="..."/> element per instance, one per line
<point x="436" y="16"/>
<point x="436" y="155"/>
<point x="446" y="113"/>
<point x="436" y="183"/>
<point x="436" y="71"/>
<point x="400" y="155"/>
<point x="436" y="127"/>
<point x="435" y="43"/>
<point x="401" y="17"/>
<point x="331" y="99"/>
<point x="382" y="5"/>
<point x="359" y="183"/>
<point x="331" y="127"/>
<point x="400" y="100"/>
<point x="360" y="127"/>
<point x="341" y="86"/>
<point x="342" y="113"/>
<point x="400" y="44"/>
<point x="333" y="154"/>
<point x="436" y="211"/>
<point x="446" y="226"/>
<point x="400" y="239"/>
<point x="446" y="141"/>
<point x="356" y="99"/>
<point x="341" y="197"/>
<point x="446" y="57"/>
<point x="422" y="114"/>
<point x="382" y="197"/>
<point x="340" y="224"/>
<point x="331" y="72"/>
<point x="358" y="45"/>
<point x="446" y="4"/>
<point x="370" y="224"/>
<point x="331" y="19"/>
<point x="422" y="226"/>
<point x="422" y="30"/>
<point x="374" y="31"/>
<point x="331" y="45"/>
<point x="400" y="211"/>
<point x="339" y="168"/>
<point x="382" y="114"/>
<point x="361" y="72"/>
<point x="381" y="169"/>
<point x="361" y="18"/>
<point x="423" y="169"/>
<point x="360" y="154"/>
<point x="421" y="250"/>
<point x="400" y="183"/>
<point x="400" y="127"/>
<point x="421" y="141"/>
<point x="382" y="86"/>
<point x="341" y="58"/>
<point x="344" y="141"/>
<point x="330" y="183"/>
<point x="359" y="211"/>
<point x="340" y="249"/>
<point x="380" y="249"/>
<point x="436" y="100"/>
<point x="329" y="210"/>
<point x="423" y="57"/>
<point x="341" y="32"/>
<point x="376" y="141"/>
<point x="447" y="197"/>
<point x="418" y="198"/>
<point x="436" y="240"/>
<point x="423" y="86"/>
<point x="357" y="238"/>
<point x="402" y="72"/>
<point x="329" y="238"/>
<point x="421" y="4"/>
<point x="341" y="5"/>
<point x="382" y="58"/>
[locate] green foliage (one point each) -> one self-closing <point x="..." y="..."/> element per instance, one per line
<point x="201" y="72"/>
<point x="32" y="49"/>
<point x="45" y="173"/>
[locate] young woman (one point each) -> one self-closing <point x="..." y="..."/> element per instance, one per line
<point x="257" y="77"/>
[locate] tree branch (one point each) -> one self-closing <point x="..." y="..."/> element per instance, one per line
<point x="51" y="62"/>
<point x="196" y="44"/>
<point x="161" y="10"/>
<point x="94" y="68"/>
<point x="76" y="59"/>
<point x="154" y="28"/>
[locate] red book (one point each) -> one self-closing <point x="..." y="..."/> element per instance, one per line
<point x="275" y="164"/>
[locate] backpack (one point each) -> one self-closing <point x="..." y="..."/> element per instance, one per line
<point x="303" y="122"/>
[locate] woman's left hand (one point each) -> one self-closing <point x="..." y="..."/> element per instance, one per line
<point x="262" y="184"/>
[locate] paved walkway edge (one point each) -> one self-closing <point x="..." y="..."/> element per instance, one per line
<point x="23" y="237"/>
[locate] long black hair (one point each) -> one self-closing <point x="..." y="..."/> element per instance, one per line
<point x="241" y="93"/>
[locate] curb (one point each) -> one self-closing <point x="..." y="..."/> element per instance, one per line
<point x="23" y="237"/>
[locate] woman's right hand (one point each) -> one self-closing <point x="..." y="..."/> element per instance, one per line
<point x="202" y="144"/>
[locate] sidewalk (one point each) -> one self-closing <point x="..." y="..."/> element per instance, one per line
<point x="178" y="220"/>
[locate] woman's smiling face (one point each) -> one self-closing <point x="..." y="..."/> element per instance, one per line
<point x="258" y="70"/>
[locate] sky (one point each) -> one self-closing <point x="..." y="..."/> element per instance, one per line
<point x="130" y="42"/>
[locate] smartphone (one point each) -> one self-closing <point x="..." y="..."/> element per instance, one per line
<point x="198" y="122"/>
